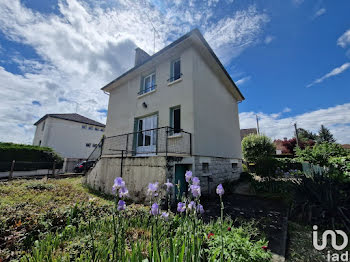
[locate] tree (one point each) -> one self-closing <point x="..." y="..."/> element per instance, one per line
<point x="256" y="147"/>
<point x="306" y="135"/>
<point x="324" y="135"/>
<point x="291" y="144"/>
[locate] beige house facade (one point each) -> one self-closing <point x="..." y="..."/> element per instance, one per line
<point x="179" y="108"/>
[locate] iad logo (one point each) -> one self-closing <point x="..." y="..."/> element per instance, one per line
<point x="333" y="236"/>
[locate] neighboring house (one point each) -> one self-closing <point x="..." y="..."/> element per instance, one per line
<point x="174" y="111"/>
<point x="280" y="148"/>
<point x="70" y="135"/>
<point x="346" y="146"/>
<point x="247" y="132"/>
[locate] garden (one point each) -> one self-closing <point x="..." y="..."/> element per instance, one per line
<point x="63" y="220"/>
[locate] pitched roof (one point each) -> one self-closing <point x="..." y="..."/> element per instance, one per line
<point x="204" y="42"/>
<point x="346" y="146"/>
<point x="71" y="117"/>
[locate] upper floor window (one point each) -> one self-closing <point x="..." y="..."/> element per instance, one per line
<point x="96" y="129"/>
<point x="83" y="127"/>
<point x="88" y="144"/>
<point x="175" y="70"/>
<point x="148" y="84"/>
<point x="91" y="127"/>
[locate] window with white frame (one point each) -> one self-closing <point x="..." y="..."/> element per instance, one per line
<point x="148" y="84"/>
<point x="175" y="70"/>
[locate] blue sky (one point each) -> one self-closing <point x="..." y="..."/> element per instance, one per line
<point x="290" y="59"/>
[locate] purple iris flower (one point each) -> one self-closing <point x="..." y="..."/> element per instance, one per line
<point x="220" y="190"/>
<point x="200" y="209"/>
<point x="118" y="183"/>
<point x="195" y="190"/>
<point x="192" y="205"/>
<point x="165" y="215"/>
<point x="181" y="207"/>
<point x="154" y="209"/>
<point x="121" y="205"/>
<point x="123" y="192"/>
<point x="188" y="176"/>
<point x="168" y="185"/>
<point x="196" y="181"/>
<point x="152" y="188"/>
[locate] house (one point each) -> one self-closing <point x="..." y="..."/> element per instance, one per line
<point x="247" y="131"/>
<point x="281" y="149"/>
<point x="70" y="135"/>
<point x="174" y="111"/>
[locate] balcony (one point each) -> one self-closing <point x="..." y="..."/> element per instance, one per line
<point x="162" y="141"/>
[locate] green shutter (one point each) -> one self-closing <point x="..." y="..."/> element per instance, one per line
<point x="171" y="71"/>
<point x="141" y="83"/>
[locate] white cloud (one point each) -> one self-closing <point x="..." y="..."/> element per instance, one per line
<point x="231" y="35"/>
<point x="319" y="12"/>
<point x="268" y="39"/>
<point x="286" y="110"/>
<point x="243" y="80"/>
<point x="344" y="40"/>
<point x="297" y="2"/>
<point x="87" y="45"/>
<point x="336" y="118"/>
<point x="334" y="72"/>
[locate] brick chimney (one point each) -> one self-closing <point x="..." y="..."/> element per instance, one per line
<point x="140" y="56"/>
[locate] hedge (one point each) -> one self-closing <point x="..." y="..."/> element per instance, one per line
<point x="35" y="156"/>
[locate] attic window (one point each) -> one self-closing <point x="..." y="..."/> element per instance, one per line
<point x="175" y="70"/>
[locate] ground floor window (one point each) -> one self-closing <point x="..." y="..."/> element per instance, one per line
<point x="175" y="119"/>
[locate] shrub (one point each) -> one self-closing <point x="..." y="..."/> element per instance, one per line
<point x="35" y="157"/>
<point x="257" y="147"/>
<point x="239" y="243"/>
<point x="341" y="163"/>
<point x="320" y="153"/>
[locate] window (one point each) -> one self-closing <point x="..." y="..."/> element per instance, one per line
<point x="205" y="167"/>
<point x="83" y="127"/>
<point x="43" y="126"/>
<point x="88" y="144"/>
<point x="94" y="145"/>
<point x="39" y="142"/>
<point x="91" y="127"/>
<point x="96" y="129"/>
<point x="175" y="119"/>
<point x="175" y="70"/>
<point x="234" y="165"/>
<point x="102" y="129"/>
<point x="148" y="83"/>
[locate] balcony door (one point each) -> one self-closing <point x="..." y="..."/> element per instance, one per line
<point x="147" y="135"/>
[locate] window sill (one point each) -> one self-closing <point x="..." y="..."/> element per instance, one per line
<point x="175" y="81"/>
<point x="148" y="93"/>
<point x="175" y="135"/>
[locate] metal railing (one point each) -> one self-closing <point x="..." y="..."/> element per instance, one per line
<point x="174" y="78"/>
<point x="146" y="90"/>
<point x="165" y="141"/>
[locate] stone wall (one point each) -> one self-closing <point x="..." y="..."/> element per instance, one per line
<point x="137" y="173"/>
<point x="218" y="171"/>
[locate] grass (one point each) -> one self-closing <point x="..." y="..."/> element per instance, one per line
<point x="53" y="220"/>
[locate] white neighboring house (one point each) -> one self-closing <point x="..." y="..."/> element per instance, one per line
<point x="174" y="111"/>
<point x="70" y="135"/>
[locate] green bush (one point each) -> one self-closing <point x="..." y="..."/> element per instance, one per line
<point x="321" y="153"/>
<point x="341" y="163"/>
<point x="239" y="243"/>
<point x="32" y="157"/>
<point x="255" y="147"/>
